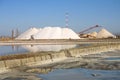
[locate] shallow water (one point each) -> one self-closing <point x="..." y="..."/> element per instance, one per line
<point x="89" y="70"/>
<point x="82" y="74"/>
<point x="5" y="50"/>
<point x="20" y="49"/>
<point x="113" y="58"/>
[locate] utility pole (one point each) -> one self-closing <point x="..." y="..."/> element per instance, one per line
<point x="12" y="33"/>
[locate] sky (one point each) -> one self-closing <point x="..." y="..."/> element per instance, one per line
<point x="82" y="14"/>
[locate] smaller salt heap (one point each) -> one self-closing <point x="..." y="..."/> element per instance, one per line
<point x="105" y="34"/>
<point x="94" y="34"/>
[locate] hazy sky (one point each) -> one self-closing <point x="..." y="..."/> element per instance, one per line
<point x="23" y="14"/>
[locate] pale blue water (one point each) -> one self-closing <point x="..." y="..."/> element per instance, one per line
<point x="113" y="58"/>
<point x="5" y="50"/>
<point x="81" y="74"/>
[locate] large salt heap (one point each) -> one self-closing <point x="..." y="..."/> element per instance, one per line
<point x="56" y="33"/>
<point x="49" y="33"/>
<point x="27" y="34"/>
<point x="105" y="34"/>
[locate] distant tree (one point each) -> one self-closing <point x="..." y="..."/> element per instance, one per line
<point x="118" y="35"/>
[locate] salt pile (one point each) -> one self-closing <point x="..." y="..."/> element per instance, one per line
<point x="94" y="34"/>
<point x="90" y="35"/>
<point x="105" y="34"/>
<point x="27" y="34"/>
<point x="56" y="33"/>
<point x="49" y="33"/>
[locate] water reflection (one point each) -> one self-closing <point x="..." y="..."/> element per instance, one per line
<point x="81" y="74"/>
<point x="15" y="49"/>
<point x="12" y="49"/>
<point x="37" y="48"/>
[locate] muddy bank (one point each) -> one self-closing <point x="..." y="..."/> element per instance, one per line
<point x="59" y="41"/>
<point x="17" y="74"/>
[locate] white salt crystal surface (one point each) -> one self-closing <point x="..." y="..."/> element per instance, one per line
<point x="56" y="33"/>
<point x="27" y="34"/>
<point x="49" y="33"/>
<point x="105" y="34"/>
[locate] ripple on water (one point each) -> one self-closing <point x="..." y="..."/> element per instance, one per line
<point x="81" y="74"/>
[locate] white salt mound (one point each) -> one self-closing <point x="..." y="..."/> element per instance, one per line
<point x="56" y="33"/>
<point x="27" y="34"/>
<point x="94" y="34"/>
<point x="105" y="34"/>
<point x="49" y="33"/>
